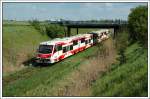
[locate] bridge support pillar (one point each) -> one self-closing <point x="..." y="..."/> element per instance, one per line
<point x="68" y="31"/>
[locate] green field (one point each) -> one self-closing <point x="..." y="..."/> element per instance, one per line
<point x="93" y="72"/>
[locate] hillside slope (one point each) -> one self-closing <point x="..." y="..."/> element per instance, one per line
<point x="70" y="77"/>
<point x="129" y="79"/>
<point x="19" y="44"/>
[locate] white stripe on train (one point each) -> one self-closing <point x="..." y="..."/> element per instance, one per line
<point x="60" y="48"/>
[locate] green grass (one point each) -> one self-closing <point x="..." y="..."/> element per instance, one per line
<point x="6" y="22"/>
<point x="129" y="79"/>
<point x="39" y="81"/>
<point x="19" y="44"/>
<point x="20" y="41"/>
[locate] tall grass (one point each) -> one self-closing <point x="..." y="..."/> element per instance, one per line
<point x="128" y="79"/>
<point x="40" y="81"/>
<point x="79" y="80"/>
<point x="19" y="44"/>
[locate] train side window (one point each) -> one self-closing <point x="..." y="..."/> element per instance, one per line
<point x="64" y="49"/>
<point x="82" y="40"/>
<point x="75" y="42"/>
<point x="68" y="48"/>
<point x="86" y="41"/>
<point x="59" y="47"/>
<point x="89" y="40"/>
<point x="71" y="47"/>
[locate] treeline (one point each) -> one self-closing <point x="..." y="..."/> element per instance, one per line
<point x="137" y="28"/>
<point x="138" y="25"/>
<point x="51" y="30"/>
<point x="137" y="31"/>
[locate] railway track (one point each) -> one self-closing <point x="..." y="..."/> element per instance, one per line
<point x="25" y="78"/>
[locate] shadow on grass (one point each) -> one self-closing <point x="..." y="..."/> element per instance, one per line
<point x="32" y="62"/>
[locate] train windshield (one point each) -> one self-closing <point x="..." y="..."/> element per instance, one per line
<point x="45" y="49"/>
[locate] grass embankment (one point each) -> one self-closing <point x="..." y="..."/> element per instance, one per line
<point x="39" y="81"/>
<point x="78" y="82"/>
<point x="129" y="79"/>
<point x="19" y="44"/>
<point x="70" y="77"/>
<point x="20" y="41"/>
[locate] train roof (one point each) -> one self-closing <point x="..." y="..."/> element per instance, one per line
<point x="69" y="39"/>
<point x="62" y="40"/>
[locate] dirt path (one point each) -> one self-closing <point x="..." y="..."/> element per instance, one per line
<point x="79" y="81"/>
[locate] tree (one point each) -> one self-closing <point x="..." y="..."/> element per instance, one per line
<point x="54" y="30"/>
<point x="51" y="30"/>
<point x="138" y="24"/>
<point x="36" y="24"/>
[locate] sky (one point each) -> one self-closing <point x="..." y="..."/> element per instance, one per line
<point x="68" y="11"/>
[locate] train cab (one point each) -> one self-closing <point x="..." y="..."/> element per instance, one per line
<point x="44" y="53"/>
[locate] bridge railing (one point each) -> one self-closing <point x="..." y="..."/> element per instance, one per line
<point x="87" y="22"/>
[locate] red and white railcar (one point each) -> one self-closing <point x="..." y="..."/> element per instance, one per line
<point x="60" y="48"/>
<point x="101" y="34"/>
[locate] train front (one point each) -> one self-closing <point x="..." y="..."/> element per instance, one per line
<point x="44" y="53"/>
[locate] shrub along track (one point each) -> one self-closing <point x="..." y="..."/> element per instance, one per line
<point x="71" y="76"/>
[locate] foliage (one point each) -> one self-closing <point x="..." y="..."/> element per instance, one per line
<point x="138" y="24"/>
<point x="54" y="30"/>
<point x="36" y="24"/>
<point x="128" y="79"/>
<point x="122" y="40"/>
<point x="122" y="57"/>
<point x="51" y="30"/>
<point x="121" y="45"/>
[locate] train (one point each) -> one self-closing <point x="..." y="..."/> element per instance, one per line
<point x="60" y="48"/>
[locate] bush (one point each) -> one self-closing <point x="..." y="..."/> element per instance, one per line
<point x="54" y="31"/>
<point x="121" y="45"/>
<point x="51" y="30"/>
<point x="138" y="24"/>
<point x="122" y="57"/>
<point x="36" y="24"/>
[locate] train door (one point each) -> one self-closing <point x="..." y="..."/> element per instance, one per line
<point x="95" y="36"/>
<point x="66" y="51"/>
<point x="57" y="51"/>
<point x="79" y="44"/>
<point x="75" y="45"/>
<point x="82" y="43"/>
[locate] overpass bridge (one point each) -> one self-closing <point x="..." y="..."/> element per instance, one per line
<point x="81" y="24"/>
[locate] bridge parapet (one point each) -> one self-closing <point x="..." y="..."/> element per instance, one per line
<point x="116" y="25"/>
